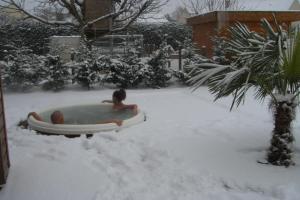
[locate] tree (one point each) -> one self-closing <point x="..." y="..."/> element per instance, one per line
<point x="202" y="6"/>
<point x="158" y="73"/>
<point x="86" y="67"/>
<point x="31" y="35"/>
<point x="155" y="33"/>
<point x="21" y="69"/>
<point x="179" y="15"/>
<point x="123" y="14"/>
<point x="269" y="64"/>
<point x="48" y="13"/>
<point x="57" y="75"/>
<point x="126" y="72"/>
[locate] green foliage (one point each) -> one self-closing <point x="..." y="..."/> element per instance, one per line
<point x="291" y="61"/>
<point x="127" y="71"/>
<point x="21" y="70"/>
<point x="256" y="62"/>
<point x="158" y="73"/>
<point x="34" y="36"/>
<point x="191" y="59"/>
<point x="57" y="74"/>
<point x="270" y="65"/>
<point x="86" y="67"/>
<point x="154" y="33"/>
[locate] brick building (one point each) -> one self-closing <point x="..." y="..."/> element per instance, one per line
<point x="208" y="25"/>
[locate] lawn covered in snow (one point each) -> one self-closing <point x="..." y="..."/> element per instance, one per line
<point x="189" y="148"/>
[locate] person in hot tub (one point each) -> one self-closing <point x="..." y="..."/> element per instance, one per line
<point x="58" y="118"/>
<point x="117" y="100"/>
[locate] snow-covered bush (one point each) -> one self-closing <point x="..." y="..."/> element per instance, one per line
<point x="87" y="74"/>
<point x="86" y="67"/>
<point x="32" y="35"/>
<point x="191" y="59"/>
<point x="154" y="33"/>
<point x="182" y="76"/>
<point x="191" y="56"/>
<point x="158" y="73"/>
<point x="127" y="71"/>
<point x="21" y="70"/>
<point x="56" y="73"/>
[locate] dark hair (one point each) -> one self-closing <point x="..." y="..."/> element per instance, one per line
<point x="119" y="95"/>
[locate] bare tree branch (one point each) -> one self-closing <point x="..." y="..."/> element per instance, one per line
<point x="124" y="10"/>
<point x="18" y="7"/>
<point x="122" y="14"/>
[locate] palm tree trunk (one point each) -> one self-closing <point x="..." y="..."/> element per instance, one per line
<point x="280" y="151"/>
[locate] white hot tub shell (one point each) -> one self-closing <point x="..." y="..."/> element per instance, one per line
<point x="77" y="129"/>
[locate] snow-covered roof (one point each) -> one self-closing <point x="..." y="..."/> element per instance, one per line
<point x="257" y="5"/>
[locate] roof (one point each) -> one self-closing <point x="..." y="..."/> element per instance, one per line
<point x="251" y="5"/>
<point x="244" y="16"/>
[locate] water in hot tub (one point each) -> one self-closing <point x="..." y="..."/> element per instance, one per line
<point x="88" y="114"/>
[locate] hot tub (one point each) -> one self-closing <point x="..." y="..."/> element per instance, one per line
<point x="84" y="119"/>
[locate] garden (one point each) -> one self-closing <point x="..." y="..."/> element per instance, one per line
<point x="216" y="128"/>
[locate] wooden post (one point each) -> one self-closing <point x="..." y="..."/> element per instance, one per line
<point x="94" y="9"/>
<point x="4" y="157"/>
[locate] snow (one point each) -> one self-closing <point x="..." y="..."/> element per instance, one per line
<point x="189" y="148"/>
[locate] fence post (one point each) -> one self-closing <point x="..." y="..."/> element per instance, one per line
<point x="112" y="45"/>
<point x="180" y="58"/>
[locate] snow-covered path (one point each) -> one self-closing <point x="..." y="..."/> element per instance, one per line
<point x="189" y="148"/>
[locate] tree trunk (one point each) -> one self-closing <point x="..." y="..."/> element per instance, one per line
<point x="281" y="149"/>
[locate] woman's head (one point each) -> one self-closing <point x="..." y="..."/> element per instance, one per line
<point x="57" y="117"/>
<point x="119" y="96"/>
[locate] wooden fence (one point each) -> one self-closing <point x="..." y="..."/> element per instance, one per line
<point x="4" y="157"/>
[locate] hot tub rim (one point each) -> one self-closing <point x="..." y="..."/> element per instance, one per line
<point x="78" y="129"/>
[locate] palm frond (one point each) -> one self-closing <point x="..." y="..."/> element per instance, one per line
<point x="204" y="72"/>
<point x="291" y="59"/>
<point x="269" y="63"/>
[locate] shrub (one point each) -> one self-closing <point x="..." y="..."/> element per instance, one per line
<point x="86" y="67"/>
<point x="21" y="70"/>
<point x="57" y="74"/>
<point x="154" y="33"/>
<point x="32" y="35"/>
<point x="158" y="74"/>
<point x="127" y="71"/>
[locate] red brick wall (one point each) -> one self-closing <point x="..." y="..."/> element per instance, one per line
<point x="205" y="26"/>
<point x="202" y="36"/>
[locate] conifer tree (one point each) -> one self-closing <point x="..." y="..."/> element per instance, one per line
<point x="158" y="73"/>
<point x="57" y="73"/>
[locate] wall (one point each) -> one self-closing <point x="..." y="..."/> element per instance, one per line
<point x="63" y="45"/>
<point x="209" y="25"/>
<point x="203" y="35"/>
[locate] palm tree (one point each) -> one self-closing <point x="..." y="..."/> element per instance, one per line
<point x="269" y="64"/>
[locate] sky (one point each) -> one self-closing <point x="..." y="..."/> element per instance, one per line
<point x="250" y="4"/>
<point x="171" y="6"/>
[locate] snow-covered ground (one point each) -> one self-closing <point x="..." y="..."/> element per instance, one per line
<point x="189" y="148"/>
